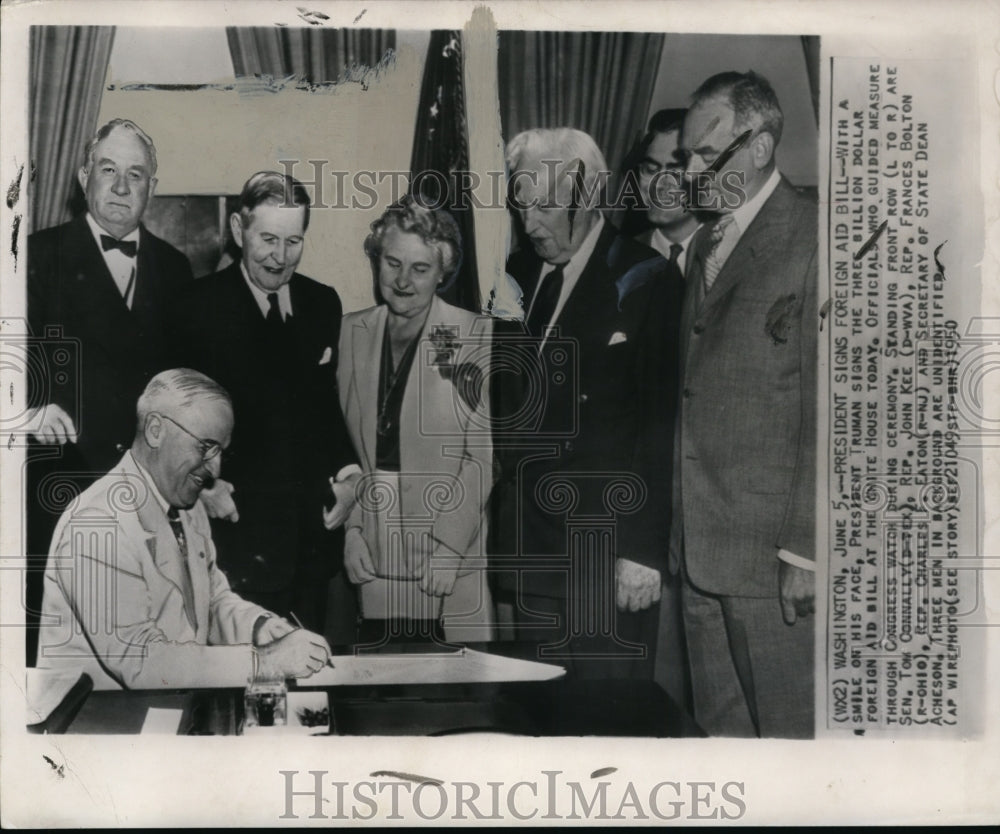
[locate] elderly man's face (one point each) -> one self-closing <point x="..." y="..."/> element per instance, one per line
<point x="272" y="243"/>
<point x="709" y="129"/>
<point x="179" y="468"/>
<point x="661" y="179"/>
<point x="119" y="182"/>
<point x="544" y="209"/>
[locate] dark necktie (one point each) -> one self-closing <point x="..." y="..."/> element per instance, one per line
<point x="274" y="317"/>
<point x="546" y="298"/>
<point x="174" y="517"/>
<point x="675" y="254"/>
<point x="127" y="247"/>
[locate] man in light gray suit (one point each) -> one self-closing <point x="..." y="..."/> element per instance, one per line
<point x="745" y="467"/>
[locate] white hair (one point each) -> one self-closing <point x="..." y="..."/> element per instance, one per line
<point x="567" y="147"/>
<point x="179" y="388"/>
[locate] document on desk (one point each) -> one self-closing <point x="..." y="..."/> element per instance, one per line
<point x="461" y="666"/>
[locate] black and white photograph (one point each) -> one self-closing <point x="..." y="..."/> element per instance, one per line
<point x="468" y="412"/>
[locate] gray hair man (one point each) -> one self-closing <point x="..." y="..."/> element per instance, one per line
<point x="745" y="495"/>
<point x="98" y="289"/>
<point x="133" y="595"/>
<point x="606" y="300"/>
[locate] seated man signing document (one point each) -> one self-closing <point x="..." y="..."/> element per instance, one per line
<point x="132" y="594"/>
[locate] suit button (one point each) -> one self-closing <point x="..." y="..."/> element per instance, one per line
<point x="698" y="329"/>
<point x="583" y="398"/>
<point x="568" y="445"/>
<point x="686" y="393"/>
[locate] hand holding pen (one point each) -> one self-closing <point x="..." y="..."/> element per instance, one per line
<point x="293" y="651"/>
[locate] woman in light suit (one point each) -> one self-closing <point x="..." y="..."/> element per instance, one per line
<point x="413" y="386"/>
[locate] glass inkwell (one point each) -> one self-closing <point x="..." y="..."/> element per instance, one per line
<point x="265" y="700"/>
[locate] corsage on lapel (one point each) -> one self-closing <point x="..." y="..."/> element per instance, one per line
<point x="466" y="377"/>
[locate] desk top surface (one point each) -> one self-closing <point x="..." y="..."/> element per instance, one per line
<point x="567" y="706"/>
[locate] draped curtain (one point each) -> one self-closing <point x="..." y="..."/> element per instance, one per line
<point x="810" y="46"/>
<point x="441" y="146"/>
<point x="68" y="68"/>
<point x="317" y="55"/>
<point x="598" y="82"/>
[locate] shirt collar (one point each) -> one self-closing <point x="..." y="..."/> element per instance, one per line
<point x="574" y="267"/>
<point x="745" y="214"/>
<point x="284" y="295"/>
<point x="665" y="242"/>
<point x="97" y="230"/>
<point x="164" y="505"/>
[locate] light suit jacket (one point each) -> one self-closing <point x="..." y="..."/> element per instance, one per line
<point x="113" y="602"/>
<point x="745" y="444"/>
<point x="446" y="451"/>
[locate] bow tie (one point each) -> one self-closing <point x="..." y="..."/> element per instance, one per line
<point x="127" y="247"/>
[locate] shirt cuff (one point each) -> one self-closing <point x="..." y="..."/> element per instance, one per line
<point x="347" y="471"/>
<point x="263" y="618"/>
<point x="796" y="561"/>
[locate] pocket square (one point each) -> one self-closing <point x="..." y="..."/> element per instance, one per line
<point x="617" y="338"/>
<point x="327" y="356"/>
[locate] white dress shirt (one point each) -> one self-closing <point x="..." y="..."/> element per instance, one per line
<point x="120" y="265"/>
<point x="260" y="296"/>
<point x="661" y="243"/>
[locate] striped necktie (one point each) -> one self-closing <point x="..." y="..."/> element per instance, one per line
<point x="174" y="517"/>
<point x="716" y="255"/>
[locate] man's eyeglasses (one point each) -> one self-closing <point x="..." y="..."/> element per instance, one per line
<point x="210" y="449"/>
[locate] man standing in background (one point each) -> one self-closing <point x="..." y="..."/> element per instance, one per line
<point x="672" y="227"/>
<point x="105" y="281"/>
<point x="743" y="536"/>
<point x="601" y="320"/>
<point x="661" y="183"/>
<point x="270" y="336"/>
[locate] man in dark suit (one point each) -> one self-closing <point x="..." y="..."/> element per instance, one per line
<point x="585" y="402"/>
<point x="103" y="280"/>
<point x="672" y="225"/>
<point x="745" y="457"/>
<point x="269" y="336"/>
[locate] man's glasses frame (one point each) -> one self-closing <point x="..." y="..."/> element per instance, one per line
<point x="210" y="449"/>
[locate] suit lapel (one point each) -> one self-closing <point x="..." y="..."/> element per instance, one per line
<point x="146" y="298"/>
<point x="160" y="540"/>
<point x="198" y="569"/>
<point x="432" y="400"/>
<point x="593" y="295"/>
<point x="754" y="242"/>
<point x="96" y="292"/>
<point x="303" y="322"/>
<point x="366" y="355"/>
